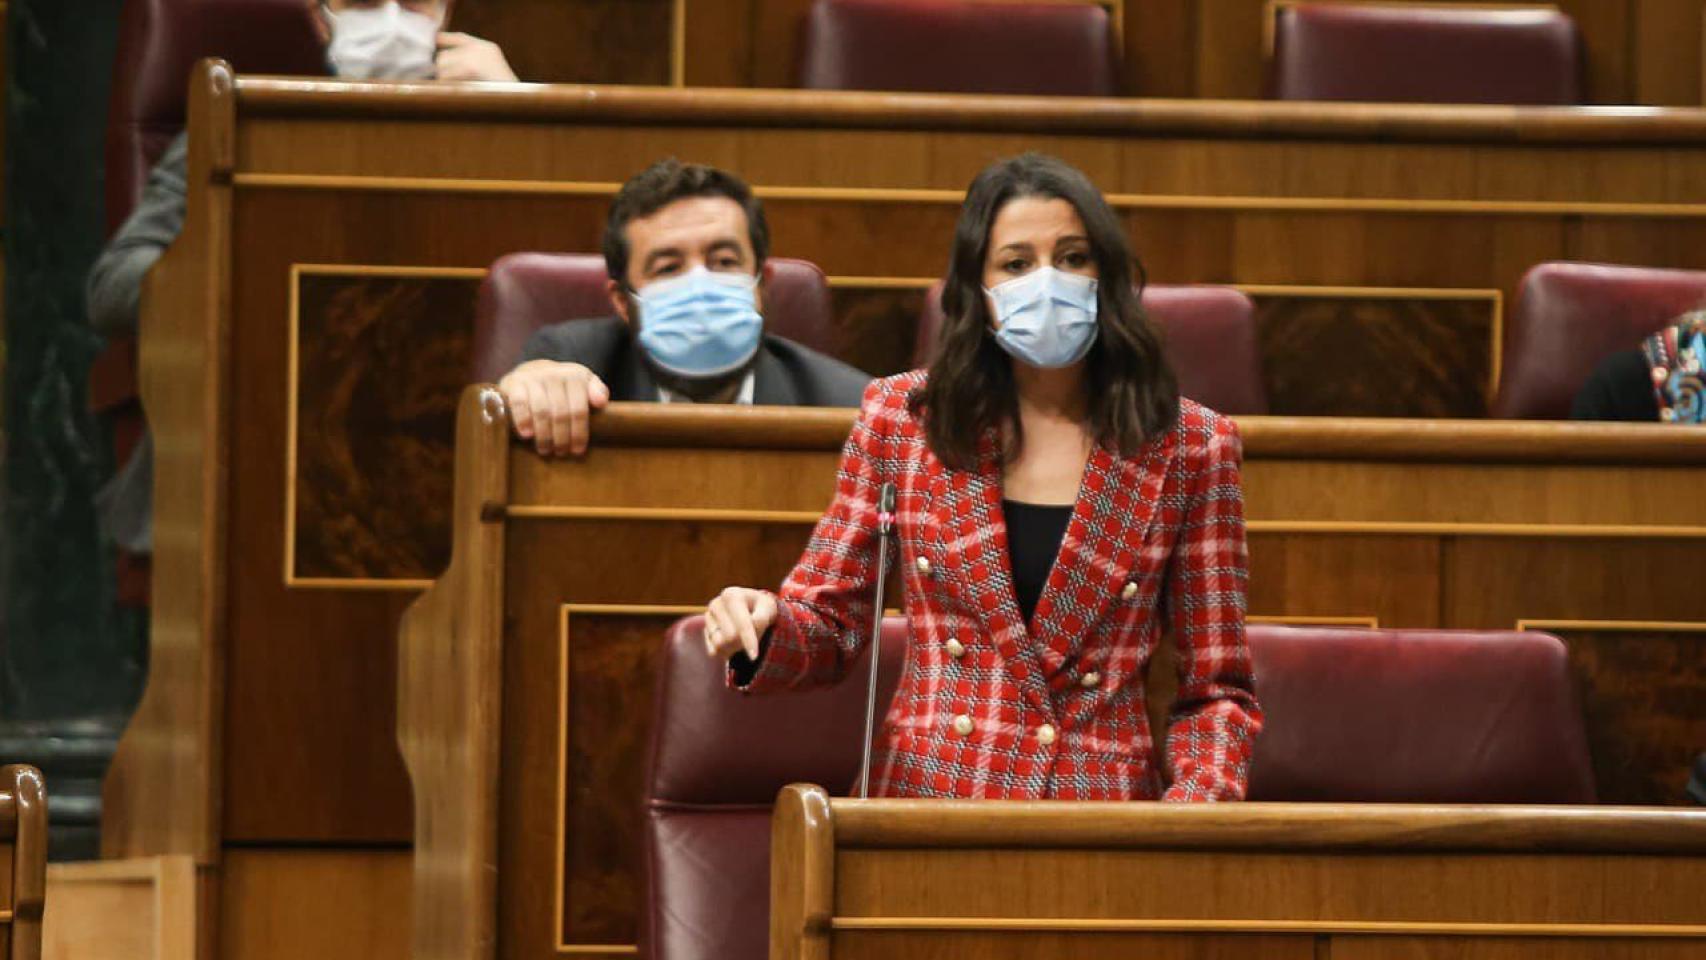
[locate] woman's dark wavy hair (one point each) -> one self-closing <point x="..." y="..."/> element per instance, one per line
<point x="1132" y="390"/>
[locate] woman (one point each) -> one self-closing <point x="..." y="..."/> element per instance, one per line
<point x="1055" y="496"/>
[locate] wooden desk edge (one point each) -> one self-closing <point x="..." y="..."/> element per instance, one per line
<point x="1302" y="438"/>
<point x="1268" y="826"/>
<point x="701" y="107"/>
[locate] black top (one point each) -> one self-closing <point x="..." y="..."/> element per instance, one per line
<point x="1621" y="388"/>
<point x="1034" y="533"/>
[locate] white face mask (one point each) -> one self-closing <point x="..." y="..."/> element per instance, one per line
<point x="383" y="43"/>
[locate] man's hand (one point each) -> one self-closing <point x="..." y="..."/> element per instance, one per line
<point x="465" y="57"/>
<point x="549" y="403"/>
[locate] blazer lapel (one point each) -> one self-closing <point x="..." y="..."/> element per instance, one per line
<point x="1117" y="499"/>
<point x="967" y="515"/>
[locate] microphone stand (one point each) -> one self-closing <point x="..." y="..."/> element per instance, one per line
<point x="885" y="533"/>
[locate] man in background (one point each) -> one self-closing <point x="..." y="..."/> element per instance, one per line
<point x="365" y="40"/>
<point x="685" y="247"/>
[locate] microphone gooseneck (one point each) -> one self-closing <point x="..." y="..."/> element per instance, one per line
<point x="885" y="533"/>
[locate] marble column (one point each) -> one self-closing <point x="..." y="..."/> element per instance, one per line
<point x="71" y="663"/>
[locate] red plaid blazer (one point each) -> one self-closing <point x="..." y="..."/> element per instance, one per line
<point x="991" y="707"/>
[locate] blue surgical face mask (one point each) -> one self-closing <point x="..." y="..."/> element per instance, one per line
<point x="1046" y="318"/>
<point x="700" y="324"/>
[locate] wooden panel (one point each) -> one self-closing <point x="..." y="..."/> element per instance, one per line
<point x="160" y="795"/>
<point x="1373" y="356"/>
<point x="994" y="879"/>
<point x="875" y="328"/>
<point x="1668" y="38"/>
<point x="140" y="909"/>
<point x="380" y="361"/>
<point x="290" y="904"/>
<point x="576" y="41"/>
<point x="1640" y="687"/>
<point x="449" y="651"/>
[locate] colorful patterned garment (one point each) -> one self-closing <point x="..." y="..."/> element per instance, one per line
<point x="1675" y="356"/>
<point x="990" y="706"/>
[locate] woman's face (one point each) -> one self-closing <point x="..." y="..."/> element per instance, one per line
<point x="1034" y="232"/>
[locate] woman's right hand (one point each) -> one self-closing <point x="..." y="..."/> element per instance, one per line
<point x="735" y="620"/>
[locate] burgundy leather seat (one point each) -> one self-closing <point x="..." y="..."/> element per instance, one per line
<point x="716" y="762"/>
<point x="526" y="291"/>
<point x="159" y="43"/>
<point x="1570" y="316"/>
<point x="1209" y="334"/>
<point x="949" y="46"/>
<point x="1415" y="53"/>
<point x="1417" y="716"/>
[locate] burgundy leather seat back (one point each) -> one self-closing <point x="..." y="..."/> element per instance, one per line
<point x="159" y="43"/>
<point x="1417" y="716"/>
<point x="717" y="760"/>
<point x="1570" y="316"/>
<point x="1413" y="53"/>
<point x="959" y="46"/>
<point x="1209" y="334"/>
<point x="525" y="291"/>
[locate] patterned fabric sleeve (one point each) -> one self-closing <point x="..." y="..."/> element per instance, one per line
<point x="824" y="607"/>
<point x="1215" y="718"/>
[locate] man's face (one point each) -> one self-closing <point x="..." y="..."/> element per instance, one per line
<point x="709" y="232"/>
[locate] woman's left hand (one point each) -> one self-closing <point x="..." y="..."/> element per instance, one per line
<point x="735" y="619"/>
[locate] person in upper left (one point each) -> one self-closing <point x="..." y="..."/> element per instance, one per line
<point x="1058" y="505"/>
<point x="685" y="247"/>
<point x="365" y="40"/>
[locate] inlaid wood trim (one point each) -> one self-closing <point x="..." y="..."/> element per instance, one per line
<point x="899" y="195"/>
<point x="664" y="514"/>
<point x="1615" y="626"/>
<point x="1343" y="927"/>
<point x="678" y="44"/>
<point x="293" y="399"/>
<point x="1372" y="623"/>
<point x="1550" y="531"/>
<point x="377" y="584"/>
<point x="564" y="613"/>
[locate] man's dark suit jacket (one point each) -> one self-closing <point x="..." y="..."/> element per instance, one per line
<point x="786" y="374"/>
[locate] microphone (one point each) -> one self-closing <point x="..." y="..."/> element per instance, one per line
<point x="885" y="533"/>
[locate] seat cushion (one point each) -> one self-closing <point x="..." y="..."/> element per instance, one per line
<point x="1417" y="716"/>
<point x="942" y="46"/>
<point x="1421" y="53"/>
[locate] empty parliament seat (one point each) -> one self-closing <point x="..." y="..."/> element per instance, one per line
<point x="1209" y="334"/>
<point x="1417" y="716"/>
<point x="1570" y="316"/>
<point x="942" y="46"/>
<point x="23" y="861"/>
<point x="1425" y="53"/>
<point x="526" y="291"/>
<point x="159" y="42"/>
<point x="717" y="760"/>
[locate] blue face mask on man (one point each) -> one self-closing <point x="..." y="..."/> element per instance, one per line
<point x="1046" y="318"/>
<point x="702" y="324"/>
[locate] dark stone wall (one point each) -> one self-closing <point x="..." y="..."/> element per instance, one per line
<point x="71" y="663"/>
